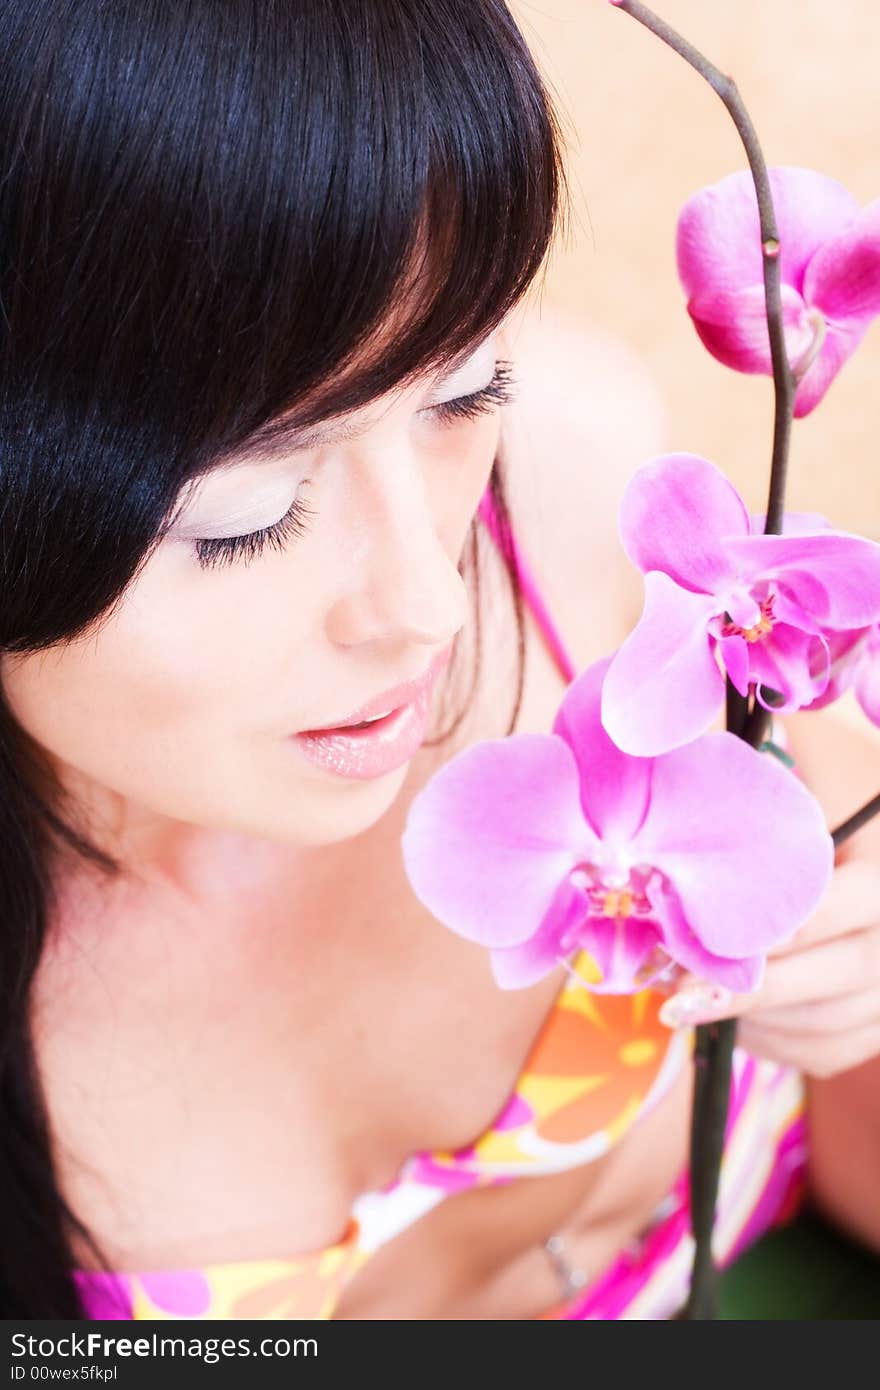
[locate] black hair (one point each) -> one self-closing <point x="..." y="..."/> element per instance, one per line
<point x="208" y="211"/>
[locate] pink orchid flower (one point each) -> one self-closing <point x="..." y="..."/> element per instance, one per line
<point x="855" y="664"/>
<point x="538" y="846"/>
<point x="766" y="605"/>
<point x="830" y="268"/>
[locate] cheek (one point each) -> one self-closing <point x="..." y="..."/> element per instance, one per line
<point x="482" y="450"/>
<point x="178" y="686"/>
<point x="113" y="711"/>
<point x="461" y="476"/>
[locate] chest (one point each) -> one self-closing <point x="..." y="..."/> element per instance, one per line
<point x="224" y="1090"/>
<point x="325" y="1031"/>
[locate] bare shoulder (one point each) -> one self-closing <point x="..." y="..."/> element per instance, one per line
<point x="586" y="414"/>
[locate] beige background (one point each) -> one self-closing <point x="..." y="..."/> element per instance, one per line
<point x="643" y="133"/>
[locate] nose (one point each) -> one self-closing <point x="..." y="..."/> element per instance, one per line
<point x="403" y="585"/>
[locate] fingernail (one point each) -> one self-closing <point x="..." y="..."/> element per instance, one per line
<point x="697" y="1004"/>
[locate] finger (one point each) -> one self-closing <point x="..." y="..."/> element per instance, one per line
<point x="833" y="968"/>
<point x="852" y="901"/>
<point x="815" y="1056"/>
<point x="822" y="1016"/>
<point x="844" y="965"/>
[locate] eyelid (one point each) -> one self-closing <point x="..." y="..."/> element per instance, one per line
<point x="231" y="521"/>
<point x="205" y="530"/>
<point x="225" y="549"/>
<point x="447" y="392"/>
<point x="463" y="395"/>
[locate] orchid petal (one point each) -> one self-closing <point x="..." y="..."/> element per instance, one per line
<point x="792" y="663"/>
<point x="797" y="598"/>
<point x="743" y="609"/>
<point x="846" y="567"/>
<point x="687" y="950"/>
<point x="843" y="277"/>
<point x="625" y="950"/>
<point x="796" y="609"/>
<point x="516" y="967"/>
<point x="718" y="237"/>
<point x="735" y="660"/>
<point x="839" y="346"/>
<point x="614" y="788"/>
<point x="732" y="325"/>
<point x="489" y="838"/>
<point x="867" y="680"/>
<point x="741" y="891"/>
<point x="674" y="511"/>
<point x="844" y="651"/>
<point x="663" y="686"/>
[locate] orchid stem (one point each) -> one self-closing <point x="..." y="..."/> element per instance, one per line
<point x="783" y="378"/>
<point x="737" y="710"/>
<point x="756" y="726"/>
<point x="855" y="822"/>
<point x="713" y="1062"/>
<point x="715" y="1042"/>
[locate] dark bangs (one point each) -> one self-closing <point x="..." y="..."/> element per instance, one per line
<point x="209" y="211"/>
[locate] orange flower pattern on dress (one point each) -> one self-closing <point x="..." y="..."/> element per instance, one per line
<point x="598" y="1062"/>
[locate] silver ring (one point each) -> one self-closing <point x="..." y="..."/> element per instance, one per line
<point x="573" y="1280"/>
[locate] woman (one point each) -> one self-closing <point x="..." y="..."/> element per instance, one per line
<point x="260" y="268"/>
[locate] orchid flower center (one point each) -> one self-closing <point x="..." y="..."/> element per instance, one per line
<point x="617" y="895"/>
<point x="757" y="631"/>
<point x="614" y="893"/>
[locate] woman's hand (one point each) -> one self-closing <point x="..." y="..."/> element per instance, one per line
<point x="818" y="1008"/>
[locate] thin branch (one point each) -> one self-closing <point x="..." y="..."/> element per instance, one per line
<point x="715" y="1042"/>
<point x="783" y="377"/>
<point x="713" y="1060"/>
<point x="757" y="725"/>
<point x="856" y="821"/>
<point x="737" y="709"/>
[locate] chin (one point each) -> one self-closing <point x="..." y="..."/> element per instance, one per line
<point x="340" y="809"/>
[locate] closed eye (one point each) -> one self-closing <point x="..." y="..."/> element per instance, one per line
<point x="226" y="549"/>
<point x="500" y="391"/>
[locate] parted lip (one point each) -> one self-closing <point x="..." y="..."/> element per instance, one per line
<point x="391" y="699"/>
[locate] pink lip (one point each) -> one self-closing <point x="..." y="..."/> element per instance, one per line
<point x="390" y="700"/>
<point x="384" y="745"/>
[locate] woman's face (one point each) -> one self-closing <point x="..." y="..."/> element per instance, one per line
<point x="181" y="706"/>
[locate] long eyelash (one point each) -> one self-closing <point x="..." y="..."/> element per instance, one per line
<point x="227" y="549"/>
<point x="500" y="391"/>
